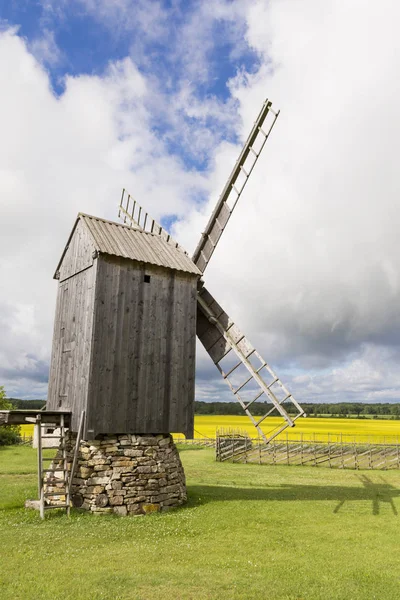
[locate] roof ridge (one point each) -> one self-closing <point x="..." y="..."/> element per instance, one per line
<point x="123" y="225"/>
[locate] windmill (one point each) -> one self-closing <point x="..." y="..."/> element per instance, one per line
<point x="247" y="374"/>
<point x="129" y="306"/>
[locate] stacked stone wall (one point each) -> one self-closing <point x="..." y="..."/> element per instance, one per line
<point x="126" y="474"/>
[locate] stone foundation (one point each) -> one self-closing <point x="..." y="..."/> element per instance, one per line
<point x="125" y="474"/>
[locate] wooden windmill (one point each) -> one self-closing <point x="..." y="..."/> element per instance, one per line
<point x="248" y="375"/>
<point x="122" y="378"/>
<point x="130" y="304"/>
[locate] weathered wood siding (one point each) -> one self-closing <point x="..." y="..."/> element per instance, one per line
<point x="142" y="366"/>
<point x="79" y="254"/>
<point x="69" y="370"/>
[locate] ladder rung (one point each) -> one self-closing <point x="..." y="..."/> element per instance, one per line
<point x="54" y="470"/>
<point x="284" y="400"/>
<point x="57" y="482"/>
<point x="219" y="225"/>
<point x="254" y="152"/>
<point x="254" y="399"/>
<point x="244" y="171"/>
<point x="272" y="409"/>
<point x="264" y="417"/>
<point x="250" y="353"/>
<point x="239" y="340"/>
<point x="233" y="369"/>
<point x="59" y="493"/>
<point x="260" y="368"/>
<point x="49" y="437"/>
<point x="243" y="384"/>
<point x="49" y="506"/>
<point x="272" y="382"/>
<point x="49" y="457"/>
<point x="261" y="130"/>
<point x="236" y="190"/>
<point x="210" y="240"/>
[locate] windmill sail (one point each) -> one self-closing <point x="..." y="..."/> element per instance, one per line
<point x="248" y="375"/>
<point x="235" y="185"/>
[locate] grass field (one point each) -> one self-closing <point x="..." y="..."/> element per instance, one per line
<point x="376" y="430"/>
<point x="248" y="532"/>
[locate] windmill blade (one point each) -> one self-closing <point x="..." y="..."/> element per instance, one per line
<point x="135" y="216"/>
<point x="242" y="367"/>
<point x="235" y="185"/>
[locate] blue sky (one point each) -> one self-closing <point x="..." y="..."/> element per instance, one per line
<point x="74" y="38"/>
<point x="158" y="97"/>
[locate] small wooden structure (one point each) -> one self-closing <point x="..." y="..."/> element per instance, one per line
<point x="125" y="331"/>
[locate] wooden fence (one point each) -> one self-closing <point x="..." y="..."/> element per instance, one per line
<point x="342" y="455"/>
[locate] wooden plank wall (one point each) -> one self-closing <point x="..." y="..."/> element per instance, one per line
<point x="69" y="370"/>
<point x="144" y="338"/>
<point x="79" y="254"/>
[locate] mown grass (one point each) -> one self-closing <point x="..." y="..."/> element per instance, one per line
<point x="248" y="531"/>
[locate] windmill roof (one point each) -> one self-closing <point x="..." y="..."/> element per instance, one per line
<point x="134" y="243"/>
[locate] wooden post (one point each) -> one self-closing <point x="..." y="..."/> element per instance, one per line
<point x="39" y="453"/>
<point x="370" y="456"/>
<point x="385" y="453"/>
<point x="287" y="449"/>
<point x="301" y="448"/>
<point x="76" y="453"/>
<point x="329" y="451"/>
<point x="341" y="446"/>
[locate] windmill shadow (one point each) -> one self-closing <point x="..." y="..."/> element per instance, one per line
<point x="376" y="492"/>
<point x="379" y="492"/>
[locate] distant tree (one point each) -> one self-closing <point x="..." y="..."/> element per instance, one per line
<point x="9" y="434"/>
<point x="357" y="408"/>
<point x="4" y="403"/>
<point x="395" y="410"/>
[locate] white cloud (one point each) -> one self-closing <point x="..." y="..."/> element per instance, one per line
<point x="308" y="265"/>
<point x="45" y="49"/>
<point x="59" y="156"/>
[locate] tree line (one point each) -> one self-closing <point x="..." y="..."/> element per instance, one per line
<point x="340" y="409"/>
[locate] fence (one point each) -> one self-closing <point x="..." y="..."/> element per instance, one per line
<point x="342" y="455"/>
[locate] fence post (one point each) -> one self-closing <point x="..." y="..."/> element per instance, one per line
<point x="329" y="451"/>
<point x="287" y="449"/>
<point x="301" y="448"/>
<point x="341" y="446"/>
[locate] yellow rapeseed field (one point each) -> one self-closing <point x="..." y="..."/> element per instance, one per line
<point x="320" y="429"/>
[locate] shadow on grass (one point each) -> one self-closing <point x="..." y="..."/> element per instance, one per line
<point x="373" y="491"/>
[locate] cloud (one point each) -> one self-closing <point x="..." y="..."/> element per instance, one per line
<point x="45" y="49"/>
<point x="58" y="156"/>
<point x="308" y="266"/>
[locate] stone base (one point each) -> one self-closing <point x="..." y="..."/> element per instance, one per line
<point x="126" y="474"/>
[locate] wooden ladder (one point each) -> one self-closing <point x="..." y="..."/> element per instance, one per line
<point x="52" y="475"/>
<point x="235" y="185"/>
<point x="242" y="367"/>
<point x="56" y="475"/>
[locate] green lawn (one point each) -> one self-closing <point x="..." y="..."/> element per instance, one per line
<point x="249" y="531"/>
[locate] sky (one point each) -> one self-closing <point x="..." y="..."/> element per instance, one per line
<point x="158" y="97"/>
